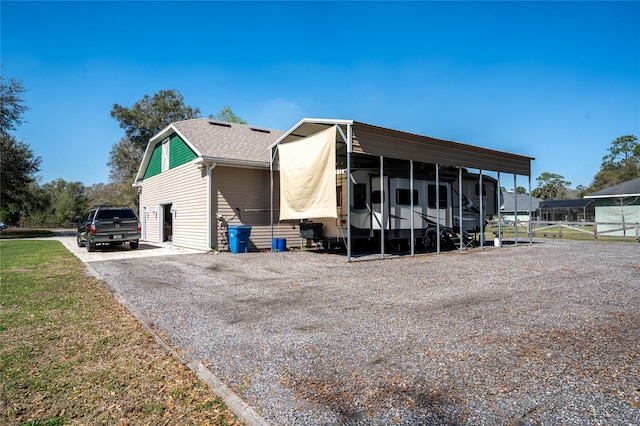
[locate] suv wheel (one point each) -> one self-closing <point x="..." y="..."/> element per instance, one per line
<point x="90" y="246"/>
<point x="133" y="245"/>
<point x="80" y="242"/>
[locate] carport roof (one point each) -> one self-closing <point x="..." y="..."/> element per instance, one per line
<point x="375" y="140"/>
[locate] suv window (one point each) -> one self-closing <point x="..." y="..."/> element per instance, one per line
<point x="116" y="213"/>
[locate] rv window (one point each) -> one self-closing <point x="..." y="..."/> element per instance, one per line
<point x="484" y="189"/>
<point x="444" y="196"/>
<point x="375" y="197"/>
<point x="359" y="196"/>
<point x="403" y="197"/>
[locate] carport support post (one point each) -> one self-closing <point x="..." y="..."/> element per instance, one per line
<point x="530" y="213"/>
<point x="411" y="220"/>
<point x="437" y="208"/>
<point x="481" y="219"/>
<point x="499" y="213"/>
<point x="460" y="206"/>
<point x="349" y="149"/>
<point x="382" y="198"/>
<point x="515" y="207"/>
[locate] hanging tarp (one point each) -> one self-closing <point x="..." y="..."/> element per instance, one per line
<point x="308" y="177"/>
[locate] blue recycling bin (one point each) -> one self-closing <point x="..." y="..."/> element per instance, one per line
<point x="239" y="238"/>
<point x="279" y="244"/>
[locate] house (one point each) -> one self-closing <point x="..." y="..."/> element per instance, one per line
<point x="617" y="208"/>
<point x="199" y="176"/>
<point x="517" y="206"/>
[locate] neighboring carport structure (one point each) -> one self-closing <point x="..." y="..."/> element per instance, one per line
<point x="355" y="142"/>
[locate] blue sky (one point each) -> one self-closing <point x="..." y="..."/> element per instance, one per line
<point x="558" y="81"/>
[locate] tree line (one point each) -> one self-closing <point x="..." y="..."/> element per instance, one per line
<point x="25" y="201"/>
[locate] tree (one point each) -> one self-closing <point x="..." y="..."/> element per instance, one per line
<point x="623" y="150"/>
<point x="68" y="201"/>
<point x="226" y="114"/>
<point x="621" y="164"/>
<point x="551" y="186"/>
<point x="149" y="115"/>
<point x="11" y="105"/>
<point x="18" y="163"/>
<point x="124" y="160"/>
<point x="521" y="190"/>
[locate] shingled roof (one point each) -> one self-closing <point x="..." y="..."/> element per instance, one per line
<point x="221" y="140"/>
<point x="630" y="188"/>
<point x="524" y="201"/>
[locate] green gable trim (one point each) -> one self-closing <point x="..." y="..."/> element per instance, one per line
<point x="180" y="153"/>
<point x="155" y="162"/>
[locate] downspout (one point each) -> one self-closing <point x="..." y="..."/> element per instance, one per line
<point x="209" y="168"/>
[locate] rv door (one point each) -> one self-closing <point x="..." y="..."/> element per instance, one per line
<point x="401" y="208"/>
<point x="379" y="201"/>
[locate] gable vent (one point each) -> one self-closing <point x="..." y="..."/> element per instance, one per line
<point x="255" y="129"/>
<point x="220" y="123"/>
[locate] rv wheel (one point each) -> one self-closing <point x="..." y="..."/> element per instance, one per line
<point x="429" y="240"/>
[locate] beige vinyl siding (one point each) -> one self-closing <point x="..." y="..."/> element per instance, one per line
<point x="242" y="197"/>
<point x="185" y="188"/>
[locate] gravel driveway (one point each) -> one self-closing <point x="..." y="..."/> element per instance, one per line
<point x="547" y="333"/>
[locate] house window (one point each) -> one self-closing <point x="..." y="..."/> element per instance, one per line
<point x="165" y="155"/>
<point x="484" y="189"/>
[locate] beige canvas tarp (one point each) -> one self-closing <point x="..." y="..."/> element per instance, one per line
<point x="308" y="177"/>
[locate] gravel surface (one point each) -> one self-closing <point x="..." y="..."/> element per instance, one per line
<point x="535" y="334"/>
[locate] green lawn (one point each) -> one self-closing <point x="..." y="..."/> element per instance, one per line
<point x="71" y="354"/>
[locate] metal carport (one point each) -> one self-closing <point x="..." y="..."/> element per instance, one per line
<point x="353" y="138"/>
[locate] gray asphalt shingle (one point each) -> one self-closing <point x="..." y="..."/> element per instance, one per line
<point x="232" y="141"/>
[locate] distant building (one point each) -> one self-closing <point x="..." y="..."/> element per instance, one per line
<point x="522" y="203"/>
<point x="579" y="210"/>
<point x="619" y="204"/>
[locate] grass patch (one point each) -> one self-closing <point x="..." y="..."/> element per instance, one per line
<point x="13" y="233"/>
<point x="71" y="354"/>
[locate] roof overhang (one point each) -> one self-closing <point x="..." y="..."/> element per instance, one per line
<point x="244" y="164"/>
<point x="612" y="196"/>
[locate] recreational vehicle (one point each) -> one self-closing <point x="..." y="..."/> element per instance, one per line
<point x="387" y="204"/>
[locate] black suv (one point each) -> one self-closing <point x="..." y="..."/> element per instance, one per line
<point x="109" y="225"/>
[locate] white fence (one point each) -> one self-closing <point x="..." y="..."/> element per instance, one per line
<point x="593" y="229"/>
